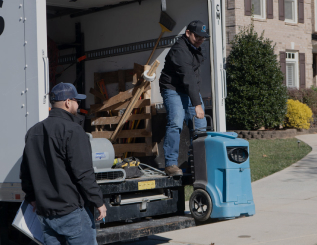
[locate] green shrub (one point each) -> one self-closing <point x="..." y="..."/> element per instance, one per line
<point x="314" y="88"/>
<point x="298" y="115"/>
<point x="256" y="95"/>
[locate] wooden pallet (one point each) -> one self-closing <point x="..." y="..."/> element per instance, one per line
<point x="105" y="125"/>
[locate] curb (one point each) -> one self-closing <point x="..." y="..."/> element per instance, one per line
<point x="273" y="134"/>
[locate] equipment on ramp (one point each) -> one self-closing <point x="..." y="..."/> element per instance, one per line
<point x="221" y="176"/>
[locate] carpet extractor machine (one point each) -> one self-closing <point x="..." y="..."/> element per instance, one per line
<point x="221" y="175"/>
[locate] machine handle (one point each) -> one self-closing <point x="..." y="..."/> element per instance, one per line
<point x="224" y="83"/>
<point x="46" y="76"/>
<point x="211" y="125"/>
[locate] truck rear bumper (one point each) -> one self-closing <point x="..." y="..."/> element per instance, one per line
<point x="143" y="228"/>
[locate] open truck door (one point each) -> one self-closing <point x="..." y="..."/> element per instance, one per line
<point x="23" y="76"/>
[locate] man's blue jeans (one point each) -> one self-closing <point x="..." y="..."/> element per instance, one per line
<point x="77" y="228"/>
<point x="178" y="108"/>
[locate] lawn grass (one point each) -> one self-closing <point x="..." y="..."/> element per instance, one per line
<point x="270" y="156"/>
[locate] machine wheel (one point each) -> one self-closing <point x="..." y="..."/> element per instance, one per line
<point x="200" y="205"/>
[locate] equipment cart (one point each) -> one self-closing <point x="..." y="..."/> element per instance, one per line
<point x="143" y="206"/>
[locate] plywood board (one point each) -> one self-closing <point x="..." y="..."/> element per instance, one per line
<point x="119" y="106"/>
<point x="136" y="147"/>
<point x="134" y="133"/>
<point x="115" y="120"/>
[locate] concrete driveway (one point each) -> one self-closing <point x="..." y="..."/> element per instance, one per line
<point x="286" y="212"/>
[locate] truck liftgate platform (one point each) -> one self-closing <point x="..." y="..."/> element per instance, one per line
<point x="143" y="206"/>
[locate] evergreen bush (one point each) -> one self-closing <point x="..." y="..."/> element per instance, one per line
<point x="256" y="96"/>
<point x="298" y="115"/>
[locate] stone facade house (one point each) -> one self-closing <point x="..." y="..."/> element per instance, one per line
<point x="291" y="24"/>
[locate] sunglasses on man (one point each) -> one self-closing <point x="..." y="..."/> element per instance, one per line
<point x="199" y="37"/>
<point x="78" y="101"/>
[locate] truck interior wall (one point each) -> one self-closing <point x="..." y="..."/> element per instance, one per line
<point x="125" y="25"/>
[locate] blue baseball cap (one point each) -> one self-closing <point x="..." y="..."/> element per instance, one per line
<point x="64" y="91"/>
<point x="199" y="28"/>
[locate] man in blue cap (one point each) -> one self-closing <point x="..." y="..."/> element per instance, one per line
<point x="57" y="172"/>
<point x="179" y="86"/>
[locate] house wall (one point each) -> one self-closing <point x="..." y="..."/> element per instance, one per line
<point x="287" y="36"/>
<point x="230" y="23"/>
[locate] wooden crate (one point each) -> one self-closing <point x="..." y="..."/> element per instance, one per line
<point x="105" y="125"/>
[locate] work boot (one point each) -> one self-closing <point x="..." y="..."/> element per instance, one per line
<point x="173" y="171"/>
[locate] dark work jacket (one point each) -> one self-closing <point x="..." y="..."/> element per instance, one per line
<point x="56" y="169"/>
<point x="181" y="70"/>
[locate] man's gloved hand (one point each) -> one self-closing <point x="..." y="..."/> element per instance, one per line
<point x="199" y="112"/>
<point x="102" y="212"/>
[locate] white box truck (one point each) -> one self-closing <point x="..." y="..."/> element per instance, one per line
<point x="113" y="34"/>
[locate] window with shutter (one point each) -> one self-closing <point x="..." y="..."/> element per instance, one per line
<point x="247" y="7"/>
<point x="269" y="9"/>
<point x="300" y="11"/>
<point x="290" y="74"/>
<point x="302" y="70"/>
<point x="290" y="8"/>
<point x="281" y="11"/>
<point x="283" y="65"/>
<point x="258" y="8"/>
<point x="292" y="70"/>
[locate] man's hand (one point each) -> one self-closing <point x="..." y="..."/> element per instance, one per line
<point x="199" y="112"/>
<point x="102" y="212"/>
<point x="33" y="205"/>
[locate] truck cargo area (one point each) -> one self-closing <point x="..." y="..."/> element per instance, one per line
<point x="83" y="43"/>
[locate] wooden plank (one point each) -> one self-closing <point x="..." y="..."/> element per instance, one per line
<point x="115" y="120"/>
<point x="122" y="148"/>
<point x="121" y="80"/>
<point x="120" y="106"/>
<point x="154" y="151"/>
<point x="139" y="104"/>
<point x="135" y="98"/>
<point x="137" y="72"/>
<point x="123" y="96"/>
<point x="134" y="133"/>
<point x="117" y="99"/>
<point x="154" y="148"/>
<point x="148" y="124"/>
<point x="97" y="94"/>
<point x="126" y="114"/>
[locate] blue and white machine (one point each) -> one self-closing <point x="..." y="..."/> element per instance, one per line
<point x="222" y="179"/>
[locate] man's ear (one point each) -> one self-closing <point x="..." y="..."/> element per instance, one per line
<point x="67" y="103"/>
<point x="187" y="33"/>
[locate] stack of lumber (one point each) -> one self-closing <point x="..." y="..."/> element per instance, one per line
<point x="125" y="118"/>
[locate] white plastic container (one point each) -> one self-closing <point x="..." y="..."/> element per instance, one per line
<point x="102" y="152"/>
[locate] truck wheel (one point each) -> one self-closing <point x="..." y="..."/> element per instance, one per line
<point x="200" y="205"/>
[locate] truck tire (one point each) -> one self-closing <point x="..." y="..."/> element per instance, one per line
<point x="200" y="205"/>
